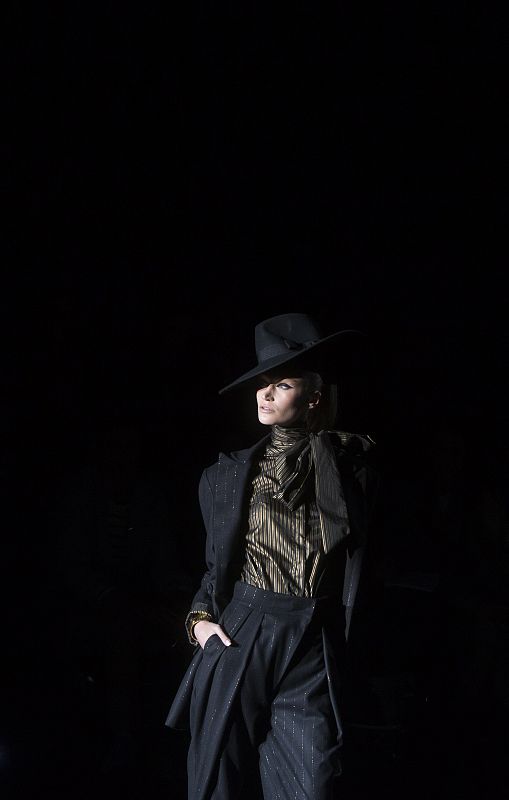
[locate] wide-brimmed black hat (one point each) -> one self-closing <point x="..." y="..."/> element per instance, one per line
<point x="291" y="338"/>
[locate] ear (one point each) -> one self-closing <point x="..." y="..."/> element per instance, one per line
<point x="314" y="399"/>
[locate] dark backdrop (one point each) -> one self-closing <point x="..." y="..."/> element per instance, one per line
<point x="172" y="177"/>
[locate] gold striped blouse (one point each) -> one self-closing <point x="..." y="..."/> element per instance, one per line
<point x="284" y="550"/>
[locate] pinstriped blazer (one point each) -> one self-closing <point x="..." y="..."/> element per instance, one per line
<point x="224" y="491"/>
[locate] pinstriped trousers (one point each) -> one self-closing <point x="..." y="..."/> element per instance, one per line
<point x="262" y="720"/>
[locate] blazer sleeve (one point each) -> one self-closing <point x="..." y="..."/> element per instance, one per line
<point x="366" y="477"/>
<point x="202" y="606"/>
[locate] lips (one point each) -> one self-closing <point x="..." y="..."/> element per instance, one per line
<point x="265" y="409"/>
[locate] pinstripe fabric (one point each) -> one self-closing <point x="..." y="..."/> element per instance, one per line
<point x="262" y="720"/>
<point x="297" y="513"/>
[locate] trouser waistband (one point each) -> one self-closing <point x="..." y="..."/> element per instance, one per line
<point x="264" y="600"/>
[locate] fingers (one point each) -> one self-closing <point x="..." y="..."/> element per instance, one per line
<point x="204" y="629"/>
<point x="223" y="636"/>
<point x="217" y="629"/>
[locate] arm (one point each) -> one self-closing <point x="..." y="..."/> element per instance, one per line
<point x="361" y="590"/>
<point x="200" y="623"/>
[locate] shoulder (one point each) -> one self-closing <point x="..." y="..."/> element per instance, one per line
<point x="352" y="444"/>
<point x="356" y="452"/>
<point x="248" y="454"/>
<point x="237" y="458"/>
<point x="244" y="456"/>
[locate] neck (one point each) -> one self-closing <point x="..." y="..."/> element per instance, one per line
<point x="288" y="435"/>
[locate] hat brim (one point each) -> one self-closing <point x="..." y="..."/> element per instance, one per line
<point x="314" y="354"/>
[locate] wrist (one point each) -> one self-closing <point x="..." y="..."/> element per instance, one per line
<point x="196" y="626"/>
<point x="192" y="619"/>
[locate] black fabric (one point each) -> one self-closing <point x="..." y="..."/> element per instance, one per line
<point x="224" y="494"/>
<point x="262" y="717"/>
<point x="224" y="497"/>
<point x="295" y="338"/>
<point x="312" y="455"/>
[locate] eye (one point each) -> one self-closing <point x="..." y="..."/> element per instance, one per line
<point x="284" y="386"/>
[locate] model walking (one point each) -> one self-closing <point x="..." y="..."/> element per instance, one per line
<point x="286" y="524"/>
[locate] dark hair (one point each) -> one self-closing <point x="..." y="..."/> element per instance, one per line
<point x="323" y="416"/>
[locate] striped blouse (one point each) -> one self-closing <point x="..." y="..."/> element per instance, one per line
<point x="284" y="551"/>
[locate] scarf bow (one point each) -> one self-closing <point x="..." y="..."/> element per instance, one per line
<point x="295" y="465"/>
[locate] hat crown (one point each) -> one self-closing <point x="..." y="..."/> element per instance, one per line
<point x="284" y="334"/>
<point x="295" y="339"/>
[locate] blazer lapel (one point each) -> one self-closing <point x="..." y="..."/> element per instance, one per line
<point x="232" y="482"/>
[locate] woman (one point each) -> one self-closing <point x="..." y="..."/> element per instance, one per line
<point x="286" y="525"/>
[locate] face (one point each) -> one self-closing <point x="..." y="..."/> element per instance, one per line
<point x="284" y="401"/>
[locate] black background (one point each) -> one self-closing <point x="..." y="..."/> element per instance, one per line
<point x="174" y="176"/>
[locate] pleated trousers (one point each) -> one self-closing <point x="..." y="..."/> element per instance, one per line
<point x="262" y="719"/>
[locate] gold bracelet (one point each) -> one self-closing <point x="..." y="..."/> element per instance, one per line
<point x="192" y="618"/>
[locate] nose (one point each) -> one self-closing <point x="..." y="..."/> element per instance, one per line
<point x="268" y="391"/>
